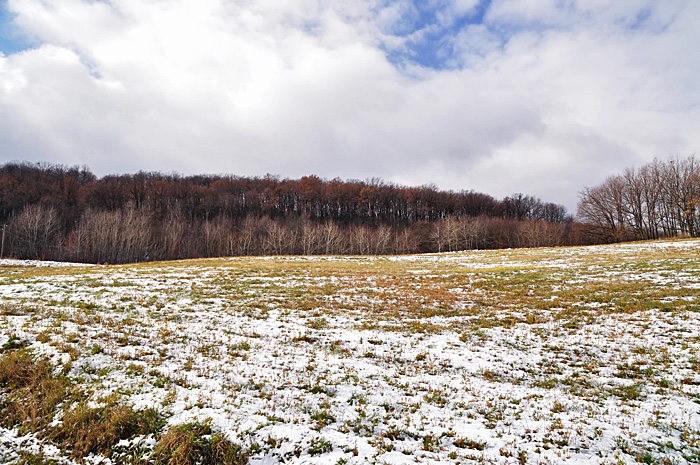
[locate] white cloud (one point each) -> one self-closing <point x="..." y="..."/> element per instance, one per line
<point x="450" y="10"/>
<point x="540" y="99"/>
<point x="592" y="13"/>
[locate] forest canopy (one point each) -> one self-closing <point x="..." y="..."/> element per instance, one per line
<point x="67" y="213"/>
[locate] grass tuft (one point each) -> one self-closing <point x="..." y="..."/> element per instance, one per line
<point x="96" y="430"/>
<point x="195" y="443"/>
<point x="32" y="391"/>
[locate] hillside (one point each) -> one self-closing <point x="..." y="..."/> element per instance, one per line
<point x="561" y="355"/>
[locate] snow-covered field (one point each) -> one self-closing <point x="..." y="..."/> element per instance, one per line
<point x="567" y="355"/>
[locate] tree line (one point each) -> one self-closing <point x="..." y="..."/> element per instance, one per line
<point x="660" y="199"/>
<point x="67" y="213"/>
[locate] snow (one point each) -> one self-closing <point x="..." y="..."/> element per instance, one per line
<point x="36" y="263"/>
<point x="266" y="348"/>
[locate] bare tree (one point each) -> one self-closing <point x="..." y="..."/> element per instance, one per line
<point x="604" y="207"/>
<point x="683" y="177"/>
<point x="216" y="238"/>
<point x="332" y="239"/>
<point x="33" y="232"/>
<point x="310" y="237"/>
<point x="439" y="236"/>
<point x="472" y="232"/>
<point x="279" y="239"/>
<point x="652" y="181"/>
<point x="361" y="241"/>
<point x="405" y="242"/>
<point x="173" y="237"/>
<point x="119" y="236"/>
<point x="382" y="239"/>
<point x="247" y="237"/>
<point x="659" y="199"/>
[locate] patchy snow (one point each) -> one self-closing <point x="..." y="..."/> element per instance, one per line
<point x="11" y="444"/>
<point x="35" y="263"/>
<point x="568" y="355"/>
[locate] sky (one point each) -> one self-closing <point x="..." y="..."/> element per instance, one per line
<point x="541" y="97"/>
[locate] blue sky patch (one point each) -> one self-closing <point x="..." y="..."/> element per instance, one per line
<point x="11" y="39"/>
<point x="429" y="38"/>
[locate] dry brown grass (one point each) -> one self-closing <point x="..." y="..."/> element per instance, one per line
<point x="195" y="443"/>
<point x="96" y="430"/>
<point x="32" y="391"/>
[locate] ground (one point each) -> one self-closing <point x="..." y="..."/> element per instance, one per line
<point x="565" y="355"/>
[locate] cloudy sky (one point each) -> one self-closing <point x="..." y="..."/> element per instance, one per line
<point x="500" y="96"/>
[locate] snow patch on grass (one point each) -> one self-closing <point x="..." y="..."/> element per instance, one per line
<point x="566" y="355"/>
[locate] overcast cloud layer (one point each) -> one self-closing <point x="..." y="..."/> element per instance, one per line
<point x="534" y="96"/>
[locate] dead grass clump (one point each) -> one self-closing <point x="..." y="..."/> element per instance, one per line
<point x="466" y="443"/>
<point x="17" y="370"/>
<point x="11" y="310"/>
<point x="305" y="338"/>
<point x="14" y="343"/>
<point x="96" y="430"/>
<point x="32" y="391"/>
<point x="195" y="443"/>
<point x="28" y="458"/>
